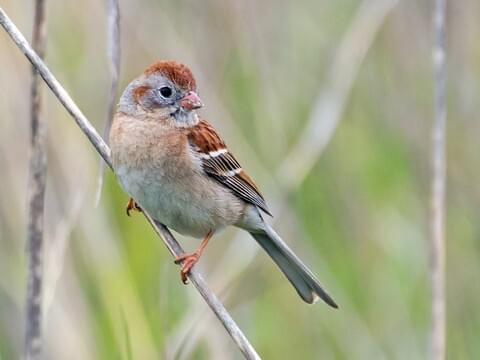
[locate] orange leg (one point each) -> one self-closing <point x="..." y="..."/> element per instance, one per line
<point x="132" y="205"/>
<point x="188" y="260"/>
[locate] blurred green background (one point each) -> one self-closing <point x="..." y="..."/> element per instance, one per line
<point x="328" y="104"/>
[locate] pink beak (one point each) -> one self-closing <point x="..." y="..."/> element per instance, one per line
<point x="191" y="101"/>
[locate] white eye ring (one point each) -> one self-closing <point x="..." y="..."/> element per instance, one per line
<point x="166" y="92"/>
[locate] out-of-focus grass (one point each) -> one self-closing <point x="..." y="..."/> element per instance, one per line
<point x="359" y="219"/>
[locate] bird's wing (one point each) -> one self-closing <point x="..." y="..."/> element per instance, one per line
<point x="220" y="164"/>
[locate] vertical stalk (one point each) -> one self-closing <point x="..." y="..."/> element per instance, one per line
<point x="438" y="331"/>
<point x="113" y="55"/>
<point x="36" y="199"/>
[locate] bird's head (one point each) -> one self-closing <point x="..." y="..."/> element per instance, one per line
<point x="166" y="88"/>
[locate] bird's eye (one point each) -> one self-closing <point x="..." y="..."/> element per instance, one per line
<point x="166" y="91"/>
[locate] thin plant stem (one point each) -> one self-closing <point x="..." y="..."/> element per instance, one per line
<point x="437" y="220"/>
<point x="36" y="199"/>
<point x="113" y="55"/>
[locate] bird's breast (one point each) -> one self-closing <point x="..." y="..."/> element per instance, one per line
<point x="156" y="167"/>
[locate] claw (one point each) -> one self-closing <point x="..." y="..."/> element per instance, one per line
<point x="187" y="261"/>
<point x="132" y="205"/>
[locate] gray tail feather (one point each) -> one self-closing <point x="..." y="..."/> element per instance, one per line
<point x="302" y="279"/>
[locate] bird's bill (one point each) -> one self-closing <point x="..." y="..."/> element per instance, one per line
<point x="191" y="101"/>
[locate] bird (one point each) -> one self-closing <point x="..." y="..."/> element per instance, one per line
<point x="174" y="164"/>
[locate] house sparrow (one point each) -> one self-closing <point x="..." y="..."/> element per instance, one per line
<point x="176" y="167"/>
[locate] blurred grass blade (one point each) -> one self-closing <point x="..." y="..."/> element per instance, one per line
<point x="113" y="54"/>
<point x="126" y="330"/>
<point x="330" y="104"/>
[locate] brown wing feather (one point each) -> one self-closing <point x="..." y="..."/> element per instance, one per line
<point x="222" y="166"/>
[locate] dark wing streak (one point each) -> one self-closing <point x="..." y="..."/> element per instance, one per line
<point x="224" y="162"/>
<point x="244" y="191"/>
<point x="218" y="167"/>
<point x="218" y="164"/>
<point x="230" y="161"/>
<point x="240" y="189"/>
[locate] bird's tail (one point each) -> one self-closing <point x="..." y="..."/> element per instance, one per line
<point x="302" y="279"/>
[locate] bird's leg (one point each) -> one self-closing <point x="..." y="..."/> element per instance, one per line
<point x="132" y="205"/>
<point x="188" y="260"/>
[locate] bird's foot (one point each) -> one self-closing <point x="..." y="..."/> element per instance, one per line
<point x="132" y="205"/>
<point x="187" y="261"/>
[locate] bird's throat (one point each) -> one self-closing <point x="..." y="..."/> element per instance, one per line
<point x="185" y="118"/>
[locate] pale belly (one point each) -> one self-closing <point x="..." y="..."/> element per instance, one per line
<point x="191" y="204"/>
